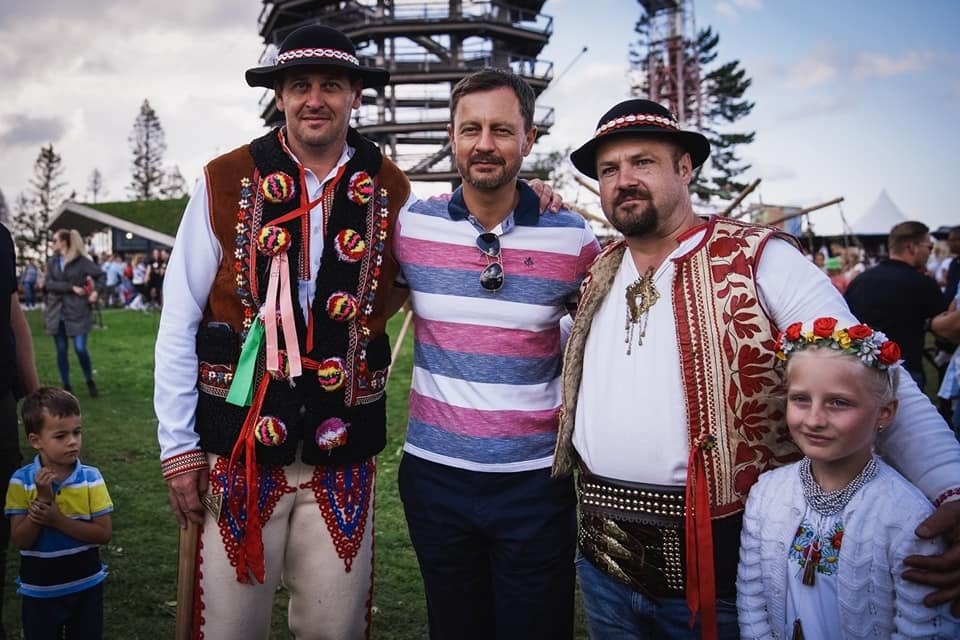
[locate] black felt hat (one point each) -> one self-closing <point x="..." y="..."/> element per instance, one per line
<point x="316" y="46"/>
<point x="639" y="118"/>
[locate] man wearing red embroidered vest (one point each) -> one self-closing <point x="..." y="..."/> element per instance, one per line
<point x="668" y="381"/>
<point x="271" y="356"/>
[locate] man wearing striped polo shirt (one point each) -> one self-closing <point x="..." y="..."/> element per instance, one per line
<point x="489" y="280"/>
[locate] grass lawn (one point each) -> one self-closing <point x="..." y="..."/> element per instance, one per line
<point x="120" y="439"/>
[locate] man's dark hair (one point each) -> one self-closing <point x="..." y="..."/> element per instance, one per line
<point x="52" y="400"/>
<point x="490" y="79"/>
<point x="906" y="233"/>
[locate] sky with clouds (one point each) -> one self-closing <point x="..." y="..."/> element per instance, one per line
<point x="851" y="97"/>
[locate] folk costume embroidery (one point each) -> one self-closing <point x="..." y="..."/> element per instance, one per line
<point x="344" y="362"/>
<point x="345" y="495"/>
<point x="813" y="550"/>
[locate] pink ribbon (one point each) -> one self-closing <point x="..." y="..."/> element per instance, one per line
<point x="278" y="295"/>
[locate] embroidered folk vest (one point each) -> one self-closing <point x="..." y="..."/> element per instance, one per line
<point x="248" y="188"/>
<point x="727" y="360"/>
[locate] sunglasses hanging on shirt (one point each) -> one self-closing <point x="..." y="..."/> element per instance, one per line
<point x="491" y="278"/>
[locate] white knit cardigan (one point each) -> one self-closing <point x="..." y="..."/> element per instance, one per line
<point x="875" y="601"/>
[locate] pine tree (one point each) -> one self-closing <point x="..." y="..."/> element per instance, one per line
<point x="720" y="103"/>
<point x="147" y="141"/>
<point x="95" y="187"/>
<point x="31" y="220"/>
<point x="174" y="184"/>
<point x="4" y="211"/>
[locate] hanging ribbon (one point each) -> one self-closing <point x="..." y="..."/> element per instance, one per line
<point x="701" y="587"/>
<point x="279" y="300"/>
<point x="250" y="559"/>
<point x="241" y="389"/>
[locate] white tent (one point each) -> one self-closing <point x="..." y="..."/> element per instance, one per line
<point x="882" y="216"/>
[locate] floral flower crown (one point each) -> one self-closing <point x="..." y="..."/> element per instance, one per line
<point x="872" y="347"/>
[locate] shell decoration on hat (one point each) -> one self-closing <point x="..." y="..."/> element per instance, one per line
<point x="270" y="431"/>
<point x="331" y="433"/>
<point x="360" y="188"/>
<point x="273" y="240"/>
<point x="278" y="187"/>
<point x="350" y="245"/>
<point x="331" y="374"/>
<point x="342" y="306"/>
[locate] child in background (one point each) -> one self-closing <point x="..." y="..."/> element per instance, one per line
<point x="59" y="512"/>
<point x="824" y="539"/>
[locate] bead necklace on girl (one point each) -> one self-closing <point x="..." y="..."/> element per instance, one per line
<point x="823" y="540"/>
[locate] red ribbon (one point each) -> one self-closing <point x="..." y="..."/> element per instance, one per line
<point x="701" y="589"/>
<point x="250" y="558"/>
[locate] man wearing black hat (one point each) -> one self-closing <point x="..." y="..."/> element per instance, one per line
<point x="271" y="356"/>
<point x="671" y="423"/>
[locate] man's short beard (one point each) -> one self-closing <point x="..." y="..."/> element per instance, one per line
<point x="636" y="224"/>
<point x="487" y="182"/>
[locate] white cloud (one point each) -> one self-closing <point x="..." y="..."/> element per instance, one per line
<point x="879" y="65"/>
<point x="725" y="9"/>
<point x="810" y="73"/>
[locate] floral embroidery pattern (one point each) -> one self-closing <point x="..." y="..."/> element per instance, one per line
<point x="822" y="550"/>
<point x="344" y="495"/>
<point x="272" y="486"/>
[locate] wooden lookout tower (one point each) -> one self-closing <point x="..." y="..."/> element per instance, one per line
<point x="427" y="45"/>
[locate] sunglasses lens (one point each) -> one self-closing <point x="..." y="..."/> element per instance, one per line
<point x="491" y="278"/>
<point x="489" y="243"/>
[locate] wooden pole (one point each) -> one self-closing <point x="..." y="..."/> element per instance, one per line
<point x="739" y="199"/>
<point x="398" y="344"/>
<point x="586" y="185"/>
<point x="802" y="212"/>
<point x="186" y="574"/>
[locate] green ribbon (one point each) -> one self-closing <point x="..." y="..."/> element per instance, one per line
<point x="241" y="389"/>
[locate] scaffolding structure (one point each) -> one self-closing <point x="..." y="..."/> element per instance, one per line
<point x="672" y="70"/>
<point x="427" y="45"/>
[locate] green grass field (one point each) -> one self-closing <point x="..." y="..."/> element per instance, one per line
<point x="120" y="439"/>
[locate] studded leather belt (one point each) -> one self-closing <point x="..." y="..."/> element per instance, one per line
<point x="635" y="534"/>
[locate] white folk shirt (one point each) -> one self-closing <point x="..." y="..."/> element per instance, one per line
<point x="189" y="277"/>
<point x="631" y="420"/>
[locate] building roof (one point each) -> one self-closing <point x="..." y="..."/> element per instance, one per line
<point x="155" y="220"/>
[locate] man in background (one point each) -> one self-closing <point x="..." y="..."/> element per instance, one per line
<point x="897" y="297"/>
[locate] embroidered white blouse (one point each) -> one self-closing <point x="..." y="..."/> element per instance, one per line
<point x="873" y="598"/>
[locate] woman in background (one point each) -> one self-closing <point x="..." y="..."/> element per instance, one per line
<point x="73" y="284"/>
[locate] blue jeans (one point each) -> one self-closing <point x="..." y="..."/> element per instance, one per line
<point x="63" y="363"/>
<point x="496" y="550"/>
<point x="78" y="616"/>
<point x="29" y="294"/>
<point x="617" y="612"/>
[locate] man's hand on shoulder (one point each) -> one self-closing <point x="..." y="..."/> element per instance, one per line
<point x="941" y="571"/>
<point x="549" y="199"/>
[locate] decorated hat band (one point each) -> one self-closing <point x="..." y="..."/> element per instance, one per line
<point x="637" y="118"/>
<point x="318" y="52"/>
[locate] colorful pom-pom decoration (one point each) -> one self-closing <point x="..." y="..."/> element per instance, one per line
<point x="360" y="188"/>
<point x="272" y="240"/>
<point x="332" y="433"/>
<point x="283" y="366"/>
<point x="330" y="374"/>
<point x="342" y="306"/>
<point x="270" y="431"/>
<point x="278" y="187"/>
<point x="350" y="245"/>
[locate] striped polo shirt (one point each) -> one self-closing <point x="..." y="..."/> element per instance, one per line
<point x="486" y="379"/>
<point x="57" y="564"/>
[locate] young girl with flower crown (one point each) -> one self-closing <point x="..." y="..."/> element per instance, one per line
<point x="823" y="540"/>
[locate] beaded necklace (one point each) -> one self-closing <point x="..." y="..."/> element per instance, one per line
<point x="826" y="504"/>
<point x="829" y="503"/>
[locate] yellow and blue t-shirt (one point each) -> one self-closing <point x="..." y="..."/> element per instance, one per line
<point x="57" y="564"/>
